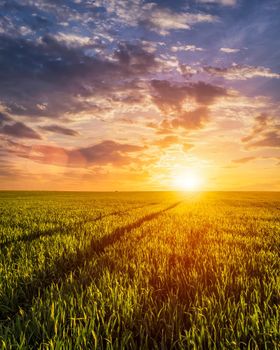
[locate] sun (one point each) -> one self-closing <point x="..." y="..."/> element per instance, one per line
<point x="188" y="180"/>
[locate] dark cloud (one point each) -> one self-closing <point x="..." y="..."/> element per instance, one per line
<point x="19" y="130"/>
<point x="134" y="58"/>
<point x="4" y="117"/>
<point x="170" y="99"/>
<point x="189" y="120"/>
<point x="9" y="127"/>
<point x="265" y="133"/>
<point x="243" y="160"/>
<point x="168" y="96"/>
<point x="60" y="130"/>
<point x="48" y="78"/>
<point x="262" y="123"/>
<point x="171" y="96"/>
<point x="205" y="93"/>
<point x="268" y="139"/>
<point x="192" y="120"/>
<point x="167" y="141"/>
<point x="103" y="153"/>
<point x="45" y="78"/>
<point x="7" y="170"/>
<point x="170" y="140"/>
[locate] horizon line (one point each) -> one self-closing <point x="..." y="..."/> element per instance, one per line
<point x="130" y="191"/>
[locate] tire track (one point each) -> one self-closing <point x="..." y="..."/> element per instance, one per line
<point x="65" y="230"/>
<point x="101" y="244"/>
<point x="66" y="265"/>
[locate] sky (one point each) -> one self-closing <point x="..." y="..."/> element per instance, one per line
<point x="135" y="95"/>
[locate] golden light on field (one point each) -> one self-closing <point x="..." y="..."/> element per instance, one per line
<point x="187" y="180"/>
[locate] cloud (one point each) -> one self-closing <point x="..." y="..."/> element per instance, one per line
<point x="167" y="141"/>
<point x="152" y="16"/>
<point x="265" y="133"/>
<point x="104" y="64"/>
<point x="192" y="120"/>
<point x="191" y="48"/>
<point x="262" y="123"/>
<point x="45" y="74"/>
<point x="219" y="2"/>
<point x="51" y="66"/>
<point x="4" y="118"/>
<point x="170" y="96"/>
<point x="73" y="40"/>
<point x="239" y="72"/>
<point x="47" y="78"/>
<point x="205" y="93"/>
<point x="104" y="153"/>
<point x="229" y="50"/>
<point x="126" y="12"/>
<point x="187" y="147"/>
<point x="19" y="130"/>
<point x="163" y="20"/>
<point x="134" y="59"/>
<point x="170" y="140"/>
<point x="243" y="160"/>
<point x="188" y="71"/>
<point x="269" y="139"/>
<point x="7" y="169"/>
<point x="186" y="105"/>
<point x="60" y="130"/>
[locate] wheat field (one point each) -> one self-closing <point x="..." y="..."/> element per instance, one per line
<point x="154" y="270"/>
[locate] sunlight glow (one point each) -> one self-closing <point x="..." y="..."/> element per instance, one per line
<point x="188" y="180"/>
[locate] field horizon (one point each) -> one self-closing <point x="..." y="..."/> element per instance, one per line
<point x="149" y="191"/>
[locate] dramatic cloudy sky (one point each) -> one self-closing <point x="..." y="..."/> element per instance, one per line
<point x="125" y="94"/>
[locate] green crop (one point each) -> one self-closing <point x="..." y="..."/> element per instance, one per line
<point x="139" y="270"/>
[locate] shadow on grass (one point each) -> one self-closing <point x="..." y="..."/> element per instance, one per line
<point x="27" y="289"/>
<point x="64" y="230"/>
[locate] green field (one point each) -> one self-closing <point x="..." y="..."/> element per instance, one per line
<point x="139" y="270"/>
